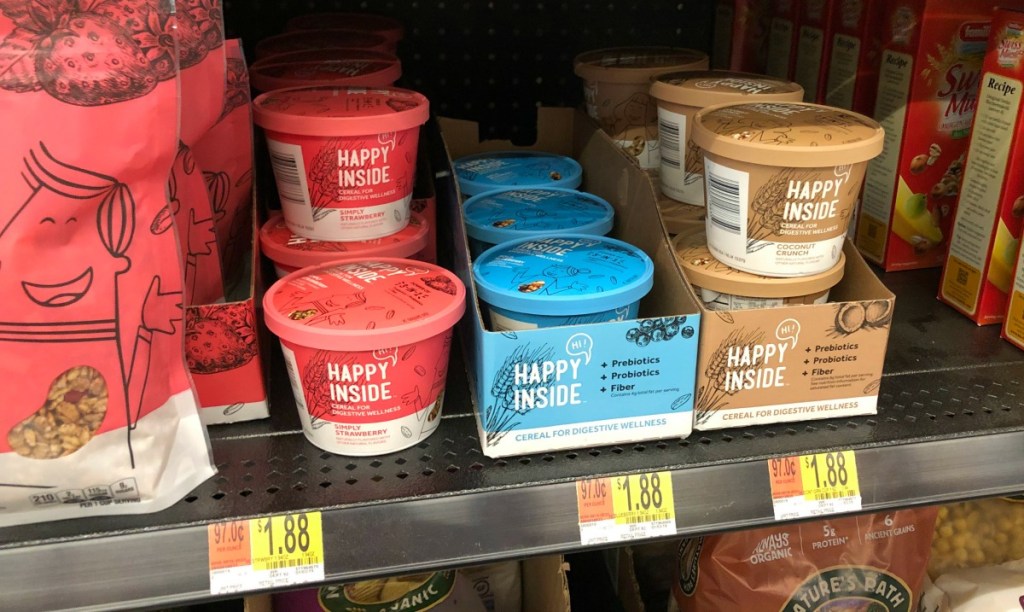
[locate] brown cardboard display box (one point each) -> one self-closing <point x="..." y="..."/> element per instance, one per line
<point x="796" y="363"/>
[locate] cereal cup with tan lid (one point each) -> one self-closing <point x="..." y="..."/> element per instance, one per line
<point x="366" y="344"/>
<point x="781" y="181"/>
<point x="616" y="84"/>
<point x="720" y="287"/>
<point x="356" y="68"/>
<point x="344" y="157"/>
<point x="679" y="95"/>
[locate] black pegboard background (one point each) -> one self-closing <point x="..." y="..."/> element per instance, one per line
<point x="495" y="61"/>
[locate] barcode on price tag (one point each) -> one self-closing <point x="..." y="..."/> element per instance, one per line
<point x="624" y="508"/>
<point x="265" y="553"/>
<point x="814" y="485"/>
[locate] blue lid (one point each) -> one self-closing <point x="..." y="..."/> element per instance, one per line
<point x="508" y="214"/>
<point x="498" y="169"/>
<point x="563" y="275"/>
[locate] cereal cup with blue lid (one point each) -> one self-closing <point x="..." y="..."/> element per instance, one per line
<point x="496" y="217"/>
<point x="484" y="172"/>
<point x="553" y="281"/>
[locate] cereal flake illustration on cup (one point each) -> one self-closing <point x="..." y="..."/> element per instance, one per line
<point x="103" y="366"/>
<point x="366" y="345"/>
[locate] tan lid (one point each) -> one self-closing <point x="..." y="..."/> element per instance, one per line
<point x="702" y="88"/>
<point x="703" y="270"/>
<point x="787" y="134"/>
<point x="636" y="64"/>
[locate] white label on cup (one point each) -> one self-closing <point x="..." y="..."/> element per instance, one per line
<point x="676" y="182"/>
<point x="728" y="192"/>
<point x="714" y="300"/>
<point x="500" y="323"/>
<point x="300" y="396"/>
<point x="290" y="173"/>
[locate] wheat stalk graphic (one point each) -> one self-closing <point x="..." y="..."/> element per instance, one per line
<point x="502" y="416"/>
<point x="712" y="395"/>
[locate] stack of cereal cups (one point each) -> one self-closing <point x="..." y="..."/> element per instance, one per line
<point x="781" y="185"/>
<point x="365" y="330"/>
<point x="616" y="87"/>
<point x="540" y="254"/>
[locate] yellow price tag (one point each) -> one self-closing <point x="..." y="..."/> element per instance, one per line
<point x="287" y="541"/>
<point x="643" y="498"/>
<point x="828" y="476"/>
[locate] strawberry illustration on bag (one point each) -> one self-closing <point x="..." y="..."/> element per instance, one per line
<point x="153" y="29"/>
<point x="217" y="343"/>
<point x="84" y="52"/>
<point x="209" y="20"/>
<point x="93" y="61"/>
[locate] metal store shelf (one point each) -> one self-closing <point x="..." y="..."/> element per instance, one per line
<point x="950" y="426"/>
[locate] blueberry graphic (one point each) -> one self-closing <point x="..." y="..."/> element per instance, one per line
<point x="687" y="332"/>
<point x="681" y="320"/>
<point x="643" y="340"/>
<point x="658" y="334"/>
<point x="646" y="324"/>
<point x="632" y="334"/>
<point x="671" y="330"/>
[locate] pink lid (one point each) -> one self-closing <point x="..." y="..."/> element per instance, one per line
<point x="360" y="304"/>
<point x="340" y="111"/>
<point x="355" y="72"/>
<point x="387" y="27"/>
<point x="320" y="39"/>
<point x="316" y="55"/>
<point x="286" y="249"/>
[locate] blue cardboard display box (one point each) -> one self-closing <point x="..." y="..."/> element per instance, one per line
<point x="582" y="385"/>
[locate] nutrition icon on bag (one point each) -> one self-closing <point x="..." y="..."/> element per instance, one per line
<point x="74" y="304"/>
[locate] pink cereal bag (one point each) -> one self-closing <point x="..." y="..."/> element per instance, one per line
<point x="98" y="414"/>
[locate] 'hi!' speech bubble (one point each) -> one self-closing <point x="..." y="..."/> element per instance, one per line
<point x="789" y="329"/>
<point x="580" y="344"/>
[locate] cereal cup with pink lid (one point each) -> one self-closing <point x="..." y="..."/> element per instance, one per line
<point x="344" y="157"/>
<point x="357" y="68"/>
<point x="321" y="39"/>
<point x="366" y="345"/>
<point x="290" y="252"/>
<point x="391" y="29"/>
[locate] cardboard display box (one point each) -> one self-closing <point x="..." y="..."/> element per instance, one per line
<point x="983" y="247"/>
<point x="611" y="383"/>
<point x="545" y="588"/>
<point x="855" y="52"/>
<point x="928" y="84"/>
<point x="225" y="347"/>
<point x="796" y="363"/>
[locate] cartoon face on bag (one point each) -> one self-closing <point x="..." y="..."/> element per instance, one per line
<point x="83" y="263"/>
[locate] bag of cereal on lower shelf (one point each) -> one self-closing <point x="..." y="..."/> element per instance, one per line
<point x="874" y="562"/>
<point x="976" y="533"/>
<point x="98" y="415"/>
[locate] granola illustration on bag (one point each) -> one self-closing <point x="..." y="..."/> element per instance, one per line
<point x="102" y="418"/>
